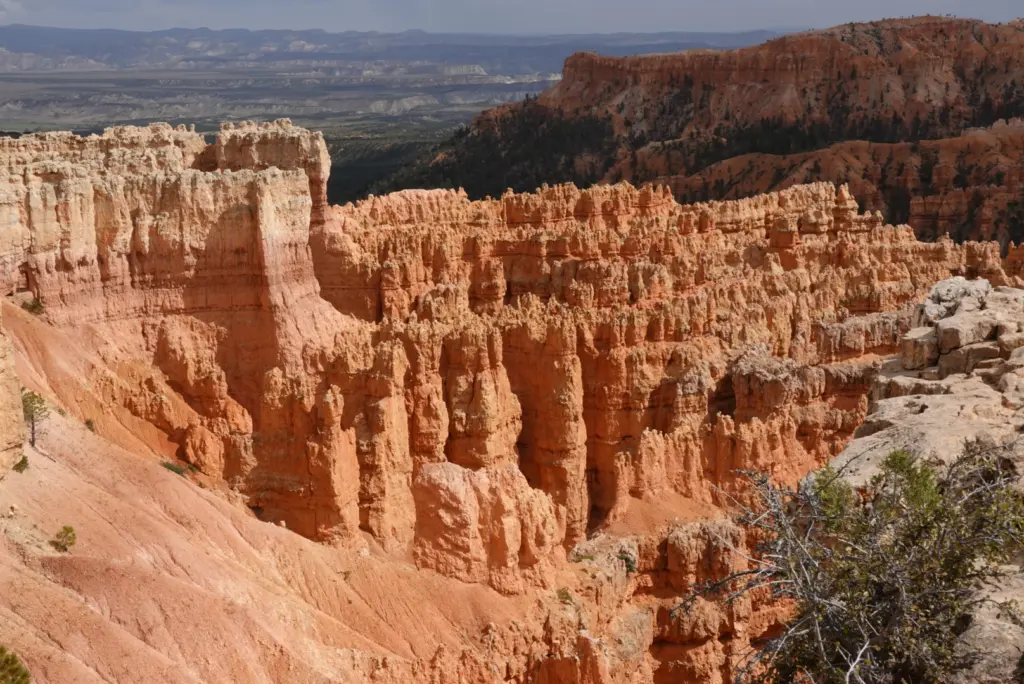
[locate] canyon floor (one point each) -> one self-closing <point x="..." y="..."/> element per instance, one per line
<point x="428" y="439"/>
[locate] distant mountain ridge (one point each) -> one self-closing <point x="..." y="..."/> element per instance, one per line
<point x="36" y="48"/>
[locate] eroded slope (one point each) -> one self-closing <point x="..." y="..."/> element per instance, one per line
<point x="521" y="393"/>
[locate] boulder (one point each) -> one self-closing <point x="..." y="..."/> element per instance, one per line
<point x="920" y="348"/>
<point x="966" y="359"/>
<point x="964" y="329"/>
<point x="951" y="296"/>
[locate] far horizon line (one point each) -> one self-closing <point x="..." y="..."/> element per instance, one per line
<point x="777" y="30"/>
<point x="410" y="31"/>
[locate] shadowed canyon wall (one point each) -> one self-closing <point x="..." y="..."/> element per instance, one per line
<point x="493" y="387"/>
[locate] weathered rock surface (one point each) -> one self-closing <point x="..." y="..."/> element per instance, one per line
<point x="484" y="389"/>
<point x="966" y="185"/>
<point x="887" y="62"/>
<point x="859" y="120"/>
<point x="12" y="430"/>
<point x="930" y="405"/>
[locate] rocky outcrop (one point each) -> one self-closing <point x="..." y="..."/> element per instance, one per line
<point x="806" y="77"/>
<point x="967" y="186"/>
<point x="576" y="345"/>
<point x="864" y="104"/>
<point x="955" y="379"/>
<point x="483" y="387"/>
<point x="12" y="429"/>
<point x="958" y="379"/>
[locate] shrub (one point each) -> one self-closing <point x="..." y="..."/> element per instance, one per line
<point x="34" y="307"/>
<point x="565" y="596"/>
<point x="174" y="468"/>
<point x="90" y="424"/>
<point x="65" y="539"/>
<point x="629" y="562"/>
<point x="11" y="669"/>
<point x="22" y="465"/>
<point x="35" y="411"/>
<point x="882" y="580"/>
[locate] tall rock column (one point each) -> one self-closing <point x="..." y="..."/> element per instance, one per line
<point x="12" y="428"/>
<point x="547" y="377"/>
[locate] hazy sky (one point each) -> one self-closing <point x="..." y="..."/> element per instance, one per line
<point x="492" y="16"/>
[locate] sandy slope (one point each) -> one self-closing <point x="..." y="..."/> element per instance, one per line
<point x="172" y="582"/>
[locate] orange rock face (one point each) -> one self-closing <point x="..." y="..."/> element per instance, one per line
<point x="877" y="70"/>
<point x="916" y="115"/>
<point x="968" y="186"/>
<point x="886" y="107"/>
<point x="12" y="431"/>
<point x="491" y="389"/>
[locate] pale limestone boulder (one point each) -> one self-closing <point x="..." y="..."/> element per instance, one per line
<point x="920" y="348"/>
<point x="951" y="296"/>
<point x="1008" y="301"/>
<point x="964" y="329"/>
<point x="966" y="359"/>
<point x="1011" y="342"/>
<point x="995" y="638"/>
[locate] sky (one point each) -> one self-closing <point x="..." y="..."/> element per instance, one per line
<point x="488" y="16"/>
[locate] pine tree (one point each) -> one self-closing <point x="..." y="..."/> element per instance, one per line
<point x="11" y="669"/>
<point x="35" y="411"/>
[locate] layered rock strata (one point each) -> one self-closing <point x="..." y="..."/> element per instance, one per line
<point x="528" y="364"/>
<point x="915" y="114"/>
<point x="483" y="386"/>
<point x="969" y="186"/>
<point x="12" y="429"/>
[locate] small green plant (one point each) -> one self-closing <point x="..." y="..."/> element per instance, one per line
<point x="581" y="558"/>
<point x="11" y="669"/>
<point x="65" y="539"/>
<point x="90" y="424"/>
<point x="1010" y="611"/>
<point x="22" y="465"/>
<point x="629" y="562"/>
<point x="174" y="468"/>
<point x="34" y="307"/>
<point x="61" y="412"/>
<point x="35" y="411"/>
<point x="565" y="596"/>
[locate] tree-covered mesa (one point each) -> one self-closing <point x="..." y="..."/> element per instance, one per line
<point x="530" y="144"/>
<point x="767" y="122"/>
<point x="882" y="579"/>
<point x="523" y="148"/>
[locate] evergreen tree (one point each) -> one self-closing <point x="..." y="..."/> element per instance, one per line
<point x="35" y="412"/>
